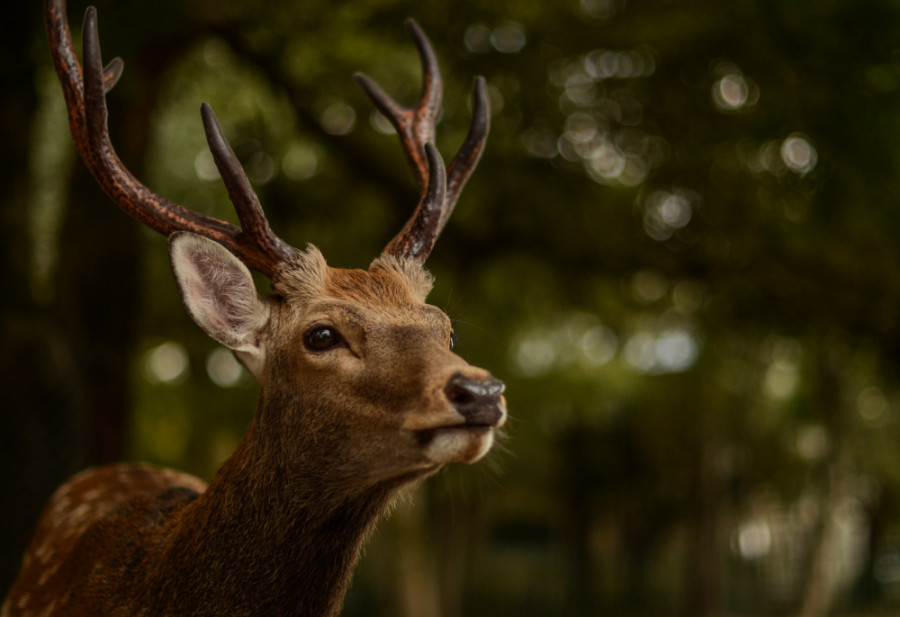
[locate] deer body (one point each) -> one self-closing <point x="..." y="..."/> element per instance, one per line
<point x="361" y="397"/>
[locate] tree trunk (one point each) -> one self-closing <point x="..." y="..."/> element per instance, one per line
<point x="64" y="360"/>
<point x="40" y="442"/>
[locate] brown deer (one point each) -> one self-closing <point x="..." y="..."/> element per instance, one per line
<point x="361" y="394"/>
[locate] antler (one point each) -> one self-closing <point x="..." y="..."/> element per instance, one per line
<point x="254" y="243"/>
<point x="415" y="126"/>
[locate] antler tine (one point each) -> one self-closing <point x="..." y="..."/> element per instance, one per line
<point x="414" y="125"/>
<point x="85" y="90"/>
<point x="418" y="236"/>
<point x="69" y="70"/>
<point x="416" y="128"/>
<point x="254" y="224"/>
<point x="466" y="159"/>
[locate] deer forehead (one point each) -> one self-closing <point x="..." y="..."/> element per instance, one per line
<point x="391" y="292"/>
<point x="389" y="280"/>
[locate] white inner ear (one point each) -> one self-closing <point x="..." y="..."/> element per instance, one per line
<point x="220" y="296"/>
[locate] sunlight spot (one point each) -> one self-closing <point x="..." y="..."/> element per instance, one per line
<point x="649" y="285"/>
<point x="260" y="167"/>
<point x="640" y="351"/>
<point x="753" y="540"/>
<point x="478" y="39"/>
<point x="205" y="166"/>
<point x="625" y="64"/>
<point x="300" y="162"/>
<point x="781" y="379"/>
<point x="338" y="119"/>
<point x="598" y="346"/>
<point x="598" y="9"/>
<point x="731" y="92"/>
<point x="812" y="442"/>
<point x="604" y="163"/>
<point x="380" y="123"/>
<point x="676" y="351"/>
<point x="534" y="355"/>
<point x="666" y="212"/>
<point x="575" y="341"/>
<point x="769" y="158"/>
<point x="672" y="350"/>
<point x="634" y="171"/>
<point x="581" y="127"/>
<point x="223" y="369"/>
<point x="798" y="154"/>
<point x="580" y="89"/>
<point x="509" y="37"/>
<point x="873" y="407"/>
<point x="166" y="363"/>
<point x="540" y="143"/>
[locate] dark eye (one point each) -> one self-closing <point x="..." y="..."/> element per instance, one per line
<point x="321" y="338"/>
<point x="453" y="340"/>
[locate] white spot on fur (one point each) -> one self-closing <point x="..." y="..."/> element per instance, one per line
<point x="46" y="575"/>
<point x="79" y="514"/>
<point x="48" y="610"/>
<point x="61" y="506"/>
<point x="43" y="552"/>
<point x="91" y="495"/>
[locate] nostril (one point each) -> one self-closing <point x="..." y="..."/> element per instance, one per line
<point x="460" y="395"/>
<point x="478" y="401"/>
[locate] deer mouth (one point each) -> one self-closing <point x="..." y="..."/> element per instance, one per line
<point x="484" y="419"/>
<point x="466" y="434"/>
<point x="426" y="436"/>
<point x="465" y="442"/>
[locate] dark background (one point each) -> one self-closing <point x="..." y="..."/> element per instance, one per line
<point x="680" y="251"/>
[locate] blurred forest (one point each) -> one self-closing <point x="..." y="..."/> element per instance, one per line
<point x="680" y="252"/>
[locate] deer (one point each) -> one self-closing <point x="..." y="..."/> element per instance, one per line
<point x="361" y="394"/>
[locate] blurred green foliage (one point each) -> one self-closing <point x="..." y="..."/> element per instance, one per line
<point x="680" y="252"/>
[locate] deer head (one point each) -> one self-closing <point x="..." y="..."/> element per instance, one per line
<point x="361" y="392"/>
<point x="361" y="346"/>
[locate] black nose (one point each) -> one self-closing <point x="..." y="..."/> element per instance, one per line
<point x="478" y="401"/>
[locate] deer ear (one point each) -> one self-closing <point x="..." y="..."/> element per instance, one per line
<point x="220" y="296"/>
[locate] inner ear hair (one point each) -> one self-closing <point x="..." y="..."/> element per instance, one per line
<point x="218" y="291"/>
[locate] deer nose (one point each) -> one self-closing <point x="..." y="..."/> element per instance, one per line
<point x="479" y="401"/>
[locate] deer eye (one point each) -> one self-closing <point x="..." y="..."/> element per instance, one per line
<point x="321" y="338"/>
<point x="453" y="340"/>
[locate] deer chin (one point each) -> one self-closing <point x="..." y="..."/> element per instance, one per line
<point x="463" y="443"/>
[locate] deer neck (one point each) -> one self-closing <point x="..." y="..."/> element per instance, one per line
<point x="262" y="540"/>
